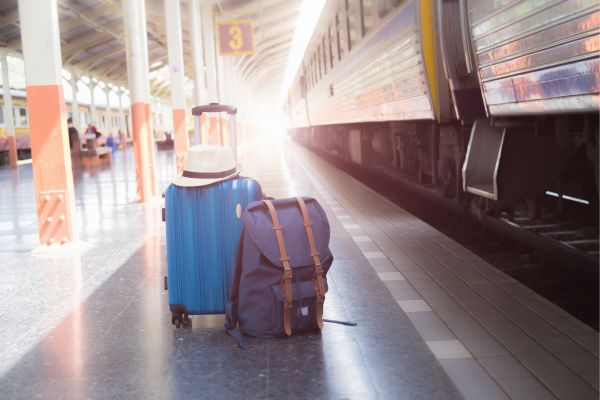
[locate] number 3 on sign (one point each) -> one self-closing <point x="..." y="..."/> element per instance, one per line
<point x="236" y="34"/>
<point x="235" y="37"/>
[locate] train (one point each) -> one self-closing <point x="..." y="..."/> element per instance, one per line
<point x="489" y="104"/>
<point x="161" y="122"/>
<point x="21" y="122"/>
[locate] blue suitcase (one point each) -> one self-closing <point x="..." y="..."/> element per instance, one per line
<point x="203" y="227"/>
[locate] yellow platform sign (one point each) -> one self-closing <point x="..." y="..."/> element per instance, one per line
<point x="235" y="37"/>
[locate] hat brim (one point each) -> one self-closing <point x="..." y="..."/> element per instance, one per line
<point x="195" y="182"/>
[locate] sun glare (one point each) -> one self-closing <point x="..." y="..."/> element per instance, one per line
<point x="309" y="15"/>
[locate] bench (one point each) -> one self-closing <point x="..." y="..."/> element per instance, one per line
<point x="93" y="156"/>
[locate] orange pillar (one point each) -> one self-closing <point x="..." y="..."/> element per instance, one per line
<point x="13" y="156"/>
<point x="176" y="68"/>
<point x="52" y="174"/>
<point x="225" y="131"/>
<point x="204" y="129"/>
<point x="134" y="15"/>
<point x="181" y="138"/>
<point x="139" y="125"/>
<point x="151" y="152"/>
<point x="214" y="130"/>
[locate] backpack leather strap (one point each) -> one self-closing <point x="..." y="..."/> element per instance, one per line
<point x="286" y="280"/>
<point x="318" y="276"/>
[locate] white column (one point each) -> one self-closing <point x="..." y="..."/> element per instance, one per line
<point x="208" y="29"/>
<point x="93" y="113"/>
<point x="109" y="125"/>
<point x="197" y="57"/>
<point x="75" y="101"/>
<point x="122" y="130"/>
<point x="122" y="126"/>
<point x="175" y="51"/>
<point x="221" y="73"/>
<point x="8" y="115"/>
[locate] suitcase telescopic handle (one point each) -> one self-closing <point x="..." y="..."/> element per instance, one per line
<point x="214" y="107"/>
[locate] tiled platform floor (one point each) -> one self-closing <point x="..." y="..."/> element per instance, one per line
<point x="92" y="321"/>
<point x="494" y="337"/>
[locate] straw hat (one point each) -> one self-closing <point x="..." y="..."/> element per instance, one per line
<point x="206" y="164"/>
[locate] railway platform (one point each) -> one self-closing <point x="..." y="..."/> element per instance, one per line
<point x="434" y="321"/>
<point x="495" y="116"/>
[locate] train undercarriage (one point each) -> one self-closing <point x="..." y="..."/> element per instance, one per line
<point x="535" y="179"/>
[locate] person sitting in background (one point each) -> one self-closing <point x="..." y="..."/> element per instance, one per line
<point x="73" y="135"/>
<point x="92" y="132"/>
<point x="122" y="139"/>
<point x="110" y="142"/>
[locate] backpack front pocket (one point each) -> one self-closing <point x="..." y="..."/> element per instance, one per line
<point x="303" y="313"/>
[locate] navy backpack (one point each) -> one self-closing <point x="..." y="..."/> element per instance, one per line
<point x="280" y="280"/>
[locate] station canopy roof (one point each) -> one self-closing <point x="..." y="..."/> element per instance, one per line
<point x="93" y="41"/>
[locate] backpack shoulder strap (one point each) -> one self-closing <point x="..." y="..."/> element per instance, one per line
<point x="318" y="276"/>
<point x="286" y="281"/>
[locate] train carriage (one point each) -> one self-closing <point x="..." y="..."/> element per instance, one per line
<point x="381" y="67"/>
<point x="492" y="104"/>
<point x="21" y="121"/>
<point x="537" y="57"/>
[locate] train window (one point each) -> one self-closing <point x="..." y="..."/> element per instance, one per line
<point x="303" y="86"/>
<point x="341" y="35"/>
<point x="332" y="48"/>
<point x="368" y="15"/>
<point x="312" y="70"/>
<point x="324" y="48"/>
<point x="383" y="6"/>
<point x="20" y="116"/>
<point x="319" y="64"/>
<point x="316" y="57"/>
<point x="352" y="23"/>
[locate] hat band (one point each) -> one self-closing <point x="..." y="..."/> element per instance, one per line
<point x="207" y="175"/>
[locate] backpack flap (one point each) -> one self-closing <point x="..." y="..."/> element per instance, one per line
<point x="258" y="224"/>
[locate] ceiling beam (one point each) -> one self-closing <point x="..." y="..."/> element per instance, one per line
<point x="11" y="17"/>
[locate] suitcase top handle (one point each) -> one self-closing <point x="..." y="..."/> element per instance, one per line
<point x="214" y="107"/>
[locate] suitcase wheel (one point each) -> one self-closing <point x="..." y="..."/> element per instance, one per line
<point x="181" y="320"/>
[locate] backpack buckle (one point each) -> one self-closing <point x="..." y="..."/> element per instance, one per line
<point x="287" y="274"/>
